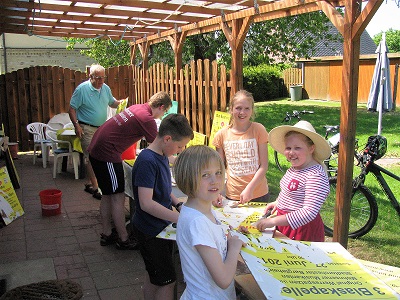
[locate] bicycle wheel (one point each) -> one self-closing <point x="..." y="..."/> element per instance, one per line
<point x="281" y="162"/>
<point x="363" y="211"/>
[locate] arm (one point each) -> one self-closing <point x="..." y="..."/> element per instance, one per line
<point x="153" y="208"/>
<point x="74" y="120"/>
<point x="176" y="201"/>
<point x="222" y="272"/>
<point x="116" y="103"/>
<point x="247" y="193"/>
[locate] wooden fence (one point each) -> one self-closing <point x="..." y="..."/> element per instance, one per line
<point x="36" y="94"/>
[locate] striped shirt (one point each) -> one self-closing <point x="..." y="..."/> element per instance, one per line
<point x="302" y="194"/>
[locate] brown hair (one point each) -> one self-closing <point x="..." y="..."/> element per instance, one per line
<point x="177" y="126"/>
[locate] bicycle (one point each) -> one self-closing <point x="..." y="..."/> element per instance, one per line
<point x="364" y="208"/>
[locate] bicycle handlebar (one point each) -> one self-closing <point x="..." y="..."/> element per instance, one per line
<point x="296" y="114"/>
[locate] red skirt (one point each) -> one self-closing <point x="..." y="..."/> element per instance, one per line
<point x="312" y="232"/>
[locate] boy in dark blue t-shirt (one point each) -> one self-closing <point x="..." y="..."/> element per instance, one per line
<point x="152" y="190"/>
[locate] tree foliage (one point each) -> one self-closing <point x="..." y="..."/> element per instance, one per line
<point x="392" y="40"/>
<point x="104" y="51"/>
<point x="281" y="40"/>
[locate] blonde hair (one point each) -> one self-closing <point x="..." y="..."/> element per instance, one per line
<point x="242" y="94"/>
<point x="189" y="165"/>
<point x="159" y="99"/>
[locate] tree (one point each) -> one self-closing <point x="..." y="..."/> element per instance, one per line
<point x="392" y="40"/>
<point x="281" y="40"/>
<point x="104" y="51"/>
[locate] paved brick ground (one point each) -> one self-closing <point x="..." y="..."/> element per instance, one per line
<point x="69" y="241"/>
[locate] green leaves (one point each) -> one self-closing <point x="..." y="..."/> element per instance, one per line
<point x="392" y="40"/>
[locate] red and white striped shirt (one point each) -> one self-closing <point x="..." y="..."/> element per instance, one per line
<point x="302" y="194"/>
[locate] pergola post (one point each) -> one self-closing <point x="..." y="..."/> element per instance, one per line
<point x="236" y="37"/>
<point x="144" y="51"/>
<point x="348" y="120"/>
<point x="351" y="27"/>
<point x="177" y="45"/>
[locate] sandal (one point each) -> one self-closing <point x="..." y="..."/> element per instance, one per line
<point x="89" y="189"/>
<point x="96" y="194"/>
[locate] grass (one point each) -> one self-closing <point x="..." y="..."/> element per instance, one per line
<point x="381" y="243"/>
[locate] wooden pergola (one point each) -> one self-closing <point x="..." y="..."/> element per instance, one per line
<point x="148" y="22"/>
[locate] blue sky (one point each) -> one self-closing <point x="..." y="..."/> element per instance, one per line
<point x="387" y="16"/>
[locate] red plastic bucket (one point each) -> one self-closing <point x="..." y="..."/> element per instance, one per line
<point x="129" y="153"/>
<point x="51" y="202"/>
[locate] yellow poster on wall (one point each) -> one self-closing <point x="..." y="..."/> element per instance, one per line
<point x="10" y="208"/>
<point x="220" y="120"/>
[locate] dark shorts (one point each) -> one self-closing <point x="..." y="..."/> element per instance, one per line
<point x="110" y="176"/>
<point x="158" y="258"/>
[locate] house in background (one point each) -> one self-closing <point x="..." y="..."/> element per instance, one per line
<point x="322" y="73"/>
<point x="335" y="48"/>
<point x="19" y="51"/>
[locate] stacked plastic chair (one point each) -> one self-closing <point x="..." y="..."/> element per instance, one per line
<point x="41" y="142"/>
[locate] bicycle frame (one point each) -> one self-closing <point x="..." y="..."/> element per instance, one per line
<point x="377" y="171"/>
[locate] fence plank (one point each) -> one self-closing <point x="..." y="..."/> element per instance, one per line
<point x="199" y="98"/>
<point x="44" y="89"/>
<point x="193" y="98"/>
<point x="207" y="91"/>
<point x="35" y="109"/>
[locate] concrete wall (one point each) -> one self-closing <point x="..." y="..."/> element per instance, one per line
<point x="23" y="51"/>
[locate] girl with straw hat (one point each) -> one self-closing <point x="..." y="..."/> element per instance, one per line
<point x="305" y="185"/>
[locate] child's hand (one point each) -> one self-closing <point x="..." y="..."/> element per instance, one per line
<point x="243" y="229"/>
<point x="235" y="242"/>
<point x="263" y="224"/>
<point x="219" y="202"/>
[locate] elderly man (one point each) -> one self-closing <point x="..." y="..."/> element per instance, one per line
<point x="88" y="110"/>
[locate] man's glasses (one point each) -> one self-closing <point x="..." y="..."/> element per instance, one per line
<point x="99" y="77"/>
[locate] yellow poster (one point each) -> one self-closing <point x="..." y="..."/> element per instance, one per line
<point x="287" y="269"/>
<point x="10" y="208"/>
<point x="198" y="139"/>
<point x="220" y="120"/>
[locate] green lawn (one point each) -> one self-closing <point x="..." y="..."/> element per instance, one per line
<point x="382" y="242"/>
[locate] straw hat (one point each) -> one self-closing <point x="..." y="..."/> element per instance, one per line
<point x="277" y="138"/>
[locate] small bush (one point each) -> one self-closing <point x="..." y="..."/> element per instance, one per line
<point x="263" y="81"/>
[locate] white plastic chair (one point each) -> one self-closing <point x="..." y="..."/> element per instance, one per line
<point x="62" y="149"/>
<point x="59" y="121"/>
<point x="40" y="141"/>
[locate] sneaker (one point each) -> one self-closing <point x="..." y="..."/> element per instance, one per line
<point x="106" y="240"/>
<point x="96" y="194"/>
<point x="129" y="244"/>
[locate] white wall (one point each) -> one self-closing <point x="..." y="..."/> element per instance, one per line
<point x="20" y="51"/>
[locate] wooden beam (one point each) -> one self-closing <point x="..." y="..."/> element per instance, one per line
<point x="366" y="15"/>
<point x="265" y="12"/>
<point x="333" y="15"/>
